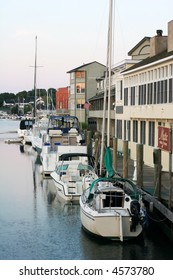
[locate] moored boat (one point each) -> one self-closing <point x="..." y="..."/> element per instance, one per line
<point x="25" y="130"/>
<point x="112" y="208"/>
<point x="74" y="173"/>
<point x="63" y="131"/>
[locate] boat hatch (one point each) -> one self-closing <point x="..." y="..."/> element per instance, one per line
<point x="113" y="199"/>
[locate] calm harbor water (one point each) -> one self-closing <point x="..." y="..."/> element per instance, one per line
<point x="36" y="225"/>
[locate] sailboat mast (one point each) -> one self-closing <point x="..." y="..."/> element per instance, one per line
<point x="35" y="77"/>
<point x="107" y="84"/>
<point x="109" y="71"/>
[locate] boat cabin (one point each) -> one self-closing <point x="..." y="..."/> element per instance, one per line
<point x="109" y="198"/>
<point x="63" y="123"/>
<point x="26" y="124"/>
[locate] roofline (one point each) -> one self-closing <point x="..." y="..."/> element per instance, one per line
<point x="148" y="64"/>
<point x="84" y="65"/>
<point x="138" y="44"/>
<point x="125" y="61"/>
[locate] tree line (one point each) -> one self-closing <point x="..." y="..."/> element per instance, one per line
<point x="28" y="97"/>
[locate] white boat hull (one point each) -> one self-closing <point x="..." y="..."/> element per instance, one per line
<point x="48" y="163"/>
<point x="66" y="193"/>
<point x="49" y="158"/>
<point x="108" y="225"/>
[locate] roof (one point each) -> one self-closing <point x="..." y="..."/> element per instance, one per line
<point x="138" y="44"/>
<point x="99" y="96"/>
<point x="82" y="66"/>
<point x="149" y="60"/>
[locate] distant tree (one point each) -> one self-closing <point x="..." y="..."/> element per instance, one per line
<point x="14" y="110"/>
<point x="29" y="96"/>
<point x="27" y="108"/>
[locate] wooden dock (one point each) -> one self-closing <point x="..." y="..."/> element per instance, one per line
<point x="158" y="210"/>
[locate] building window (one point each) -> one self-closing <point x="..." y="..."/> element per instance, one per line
<point x="158" y="92"/>
<point x="142" y="95"/>
<point x="121" y="90"/>
<point x="119" y="129"/>
<point x="142" y="132"/>
<point x="125" y="130"/>
<point x="126" y="97"/>
<point x="135" y="131"/>
<point x="151" y="134"/>
<point x="150" y="94"/>
<point x="132" y="96"/>
<point x="170" y="91"/>
<point x="80" y="103"/>
<point x="164" y="91"/>
<point x="155" y="92"/>
<point x="171" y="69"/>
<point x="80" y="87"/>
<point x="80" y="74"/>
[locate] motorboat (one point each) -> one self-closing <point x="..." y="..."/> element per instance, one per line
<point x="25" y="130"/>
<point x="112" y="208"/>
<point x="74" y="173"/>
<point x="63" y="131"/>
<point x="39" y="133"/>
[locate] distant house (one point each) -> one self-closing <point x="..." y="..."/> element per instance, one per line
<point x="83" y="85"/>
<point x="62" y="96"/>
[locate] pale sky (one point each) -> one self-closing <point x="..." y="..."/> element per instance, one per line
<point x="69" y="33"/>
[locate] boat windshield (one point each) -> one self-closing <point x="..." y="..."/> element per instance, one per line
<point x="84" y="167"/>
<point x="63" y="121"/>
<point x="61" y="168"/>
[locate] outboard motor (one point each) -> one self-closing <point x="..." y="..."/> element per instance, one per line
<point x="135" y="214"/>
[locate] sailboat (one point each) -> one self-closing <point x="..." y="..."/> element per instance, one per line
<point x="41" y="120"/>
<point x="112" y="206"/>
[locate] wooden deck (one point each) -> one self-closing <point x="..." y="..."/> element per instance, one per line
<point x="159" y="207"/>
<point x="148" y="179"/>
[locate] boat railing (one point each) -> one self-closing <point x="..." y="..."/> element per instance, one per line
<point x="127" y="185"/>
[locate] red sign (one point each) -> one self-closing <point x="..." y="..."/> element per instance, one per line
<point x="164" y="141"/>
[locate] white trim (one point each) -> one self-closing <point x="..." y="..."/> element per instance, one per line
<point x="148" y="65"/>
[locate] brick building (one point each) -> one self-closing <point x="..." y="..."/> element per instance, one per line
<point x="62" y="95"/>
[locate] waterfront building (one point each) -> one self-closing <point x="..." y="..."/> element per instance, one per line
<point x="62" y="96"/>
<point x="83" y="86"/>
<point x="143" y="96"/>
